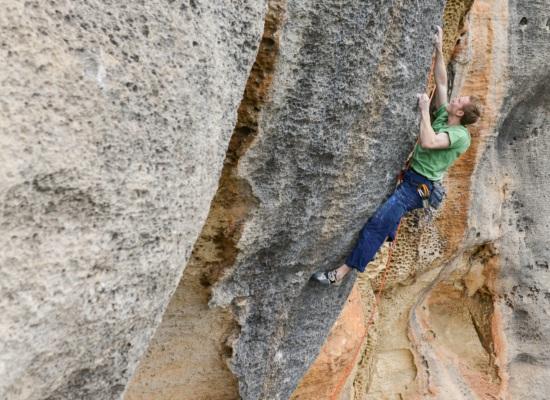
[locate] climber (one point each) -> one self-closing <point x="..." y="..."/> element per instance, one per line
<point x="439" y="145"/>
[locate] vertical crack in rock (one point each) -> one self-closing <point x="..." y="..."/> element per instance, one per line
<point x="453" y="329"/>
<point x="454" y="23"/>
<point x="521" y="148"/>
<point x="188" y="356"/>
<point x="325" y="380"/>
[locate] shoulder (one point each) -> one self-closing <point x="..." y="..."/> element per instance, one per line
<point x="458" y="136"/>
<point x="440" y="118"/>
<point x="441" y="110"/>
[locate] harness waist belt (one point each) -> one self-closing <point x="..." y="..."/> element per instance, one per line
<point x="419" y="174"/>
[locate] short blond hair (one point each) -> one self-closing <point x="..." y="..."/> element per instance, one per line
<point x="472" y="111"/>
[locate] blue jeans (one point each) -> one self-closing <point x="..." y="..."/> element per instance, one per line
<point x="383" y="224"/>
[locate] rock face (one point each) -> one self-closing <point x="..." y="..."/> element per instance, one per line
<point x="115" y="120"/>
<point x="338" y="126"/>
<point x="330" y="375"/>
<point x="461" y="313"/>
<point x="115" y="125"/>
<point x="518" y="160"/>
<point x="330" y="135"/>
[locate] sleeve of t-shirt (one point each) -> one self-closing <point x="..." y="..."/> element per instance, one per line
<point x="458" y="138"/>
<point x="440" y="118"/>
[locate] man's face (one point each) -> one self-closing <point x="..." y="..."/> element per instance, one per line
<point x="456" y="105"/>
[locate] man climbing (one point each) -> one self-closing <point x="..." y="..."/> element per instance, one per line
<point x="440" y="144"/>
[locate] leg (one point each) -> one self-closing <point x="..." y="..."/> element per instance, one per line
<point x="381" y="225"/>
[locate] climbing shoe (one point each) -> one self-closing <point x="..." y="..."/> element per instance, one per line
<point x="327" y="278"/>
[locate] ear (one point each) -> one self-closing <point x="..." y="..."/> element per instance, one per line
<point x="459" y="113"/>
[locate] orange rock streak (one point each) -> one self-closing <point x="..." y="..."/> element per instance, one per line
<point x="484" y="79"/>
<point x="327" y="376"/>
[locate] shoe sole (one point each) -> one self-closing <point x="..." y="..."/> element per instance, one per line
<point x="323" y="281"/>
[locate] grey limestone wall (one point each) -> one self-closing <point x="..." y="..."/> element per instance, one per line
<point x="339" y="125"/>
<point x="115" y="118"/>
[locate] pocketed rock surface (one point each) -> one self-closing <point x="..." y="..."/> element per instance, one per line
<point x="460" y="316"/>
<point x="115" y="118"/>
<point x="328" y="139"/>
<point x="340" y="121"/>
<point x="260" y="137"/>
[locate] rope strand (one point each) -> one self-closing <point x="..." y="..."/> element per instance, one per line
<point x="371" y="317"/>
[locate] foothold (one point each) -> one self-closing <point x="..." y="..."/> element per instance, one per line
<point x="145" y="30"/>
<point x="268" y="42"/>
<point x="523" y="21"/>
<point x="112" y="40"/>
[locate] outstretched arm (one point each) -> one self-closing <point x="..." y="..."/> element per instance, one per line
<point x="440" y="70"/>
<point x="428" y="138"/>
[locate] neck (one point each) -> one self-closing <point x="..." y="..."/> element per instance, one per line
<point x="453" y="120"/>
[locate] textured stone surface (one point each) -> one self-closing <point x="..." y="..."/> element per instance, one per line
<point x="515" y="169"/>
<point x="466" y="296"/>
<point x="115" y="123"/>
<point x="327" y="376"/>
<point x="507" y="208"/>
<point x="449" y="295"/>
<point x="190" y="348"/>
<point x="440" y="303"/>
<point x="115" y="119"/>
<point x="340" y="123"/>
<point x="337" y="75"/>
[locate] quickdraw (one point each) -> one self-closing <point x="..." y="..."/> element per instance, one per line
<point x="424" y="192"/>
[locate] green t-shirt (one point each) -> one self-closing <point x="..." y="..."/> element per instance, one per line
<point x="432" y="163"/>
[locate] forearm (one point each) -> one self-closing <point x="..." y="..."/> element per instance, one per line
<point x="440" y="68"/>
<point x="427" y="134"/>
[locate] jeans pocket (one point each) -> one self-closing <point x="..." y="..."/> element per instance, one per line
<point x="437" y="195"/>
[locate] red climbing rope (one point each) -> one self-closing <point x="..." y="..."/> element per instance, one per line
<point x="371" y="317"/>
